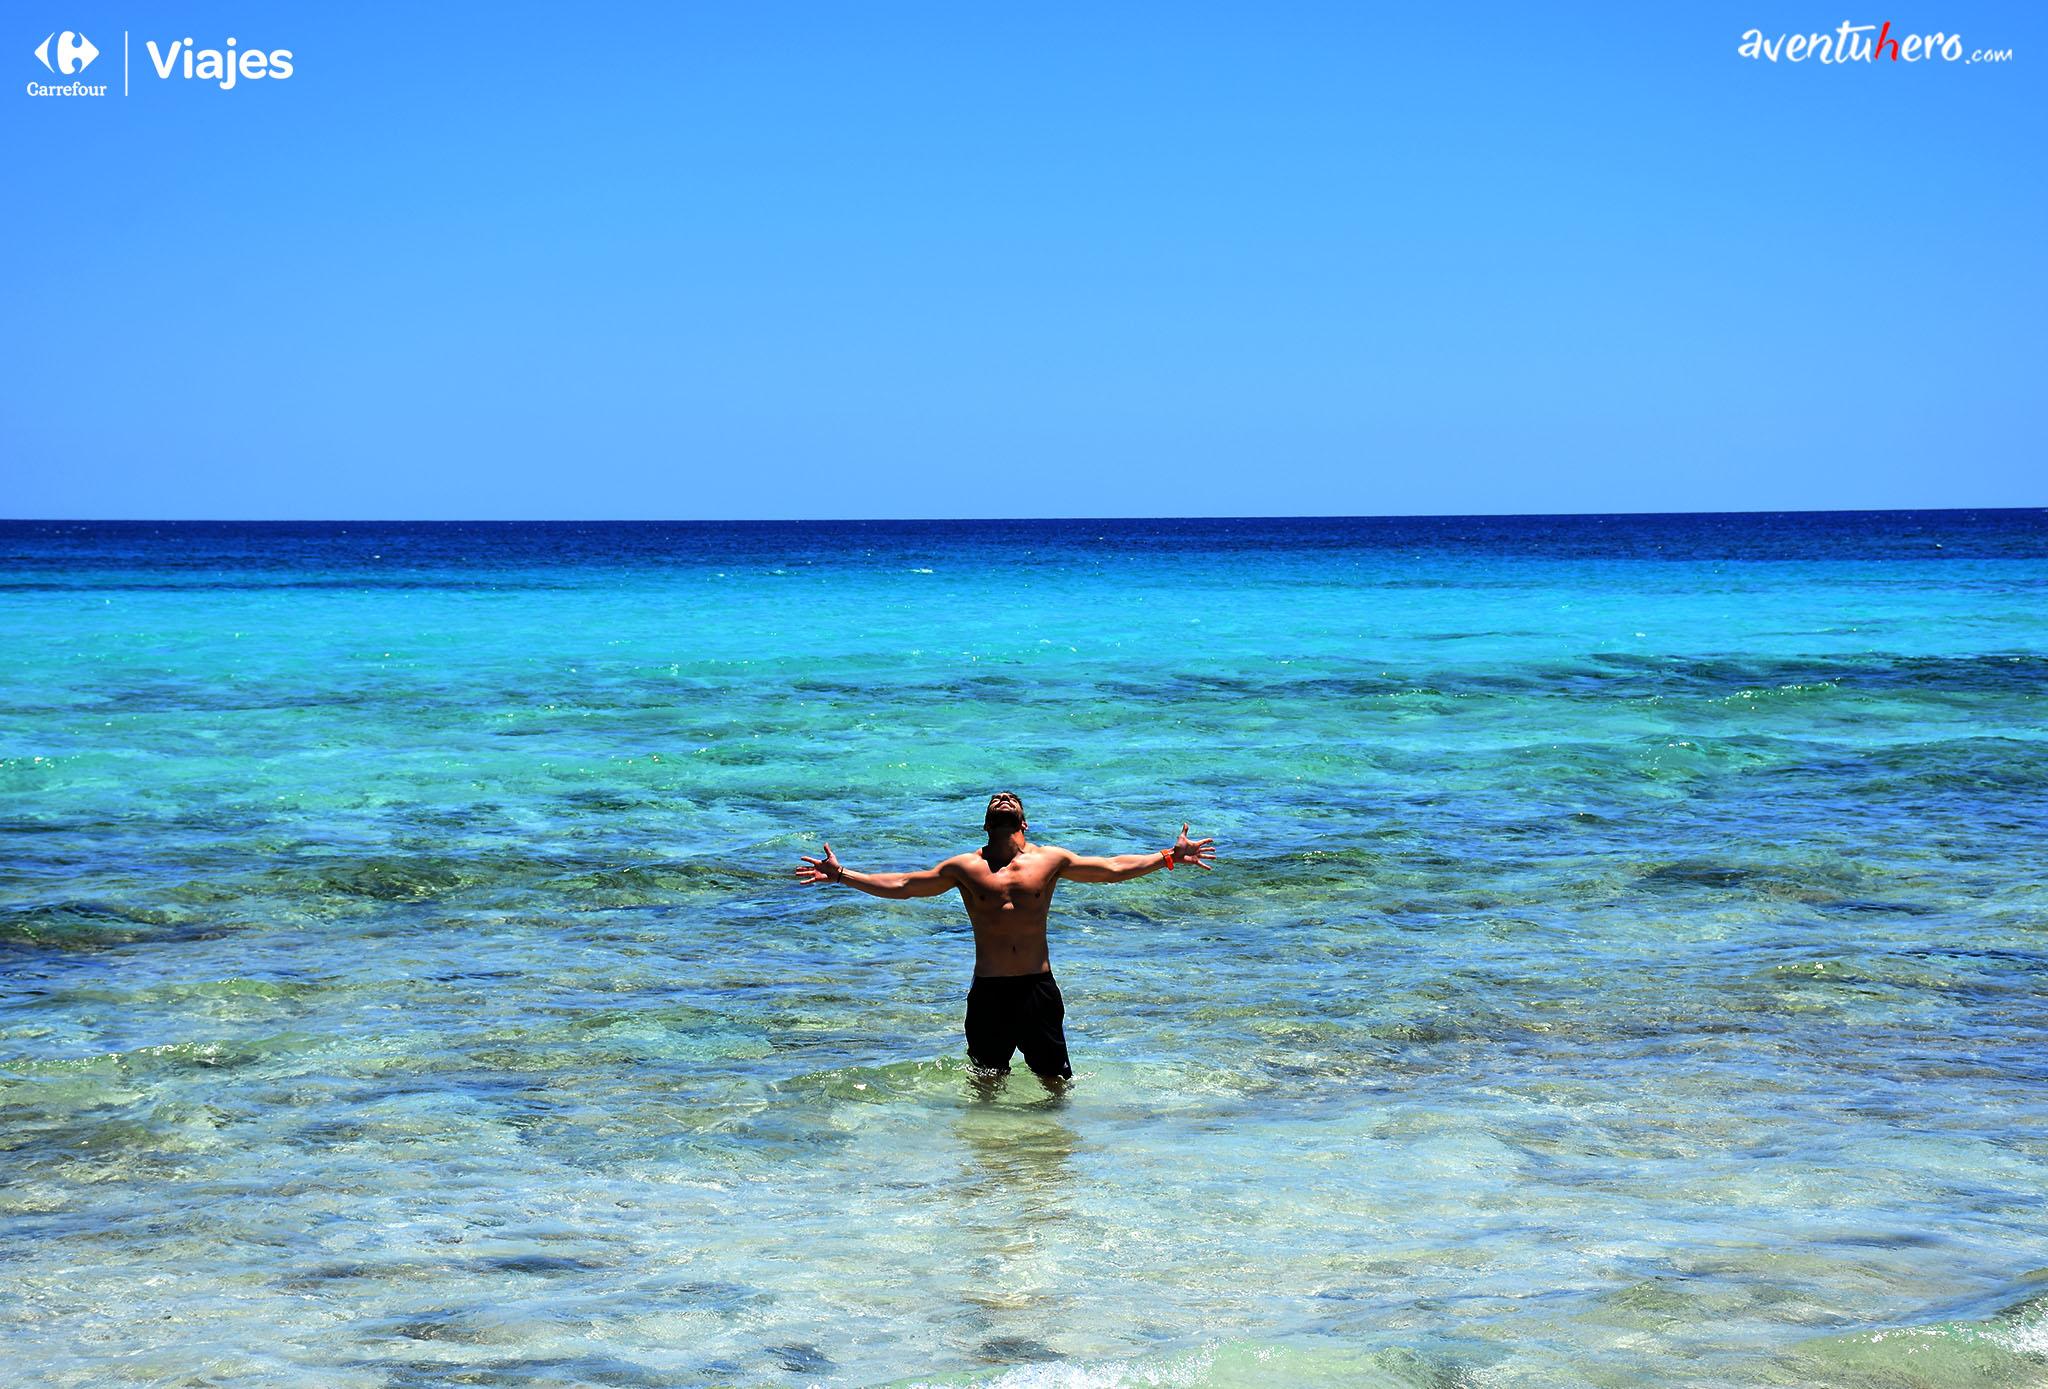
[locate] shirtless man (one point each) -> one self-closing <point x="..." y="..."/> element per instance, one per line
<point x="1007" y="887"/>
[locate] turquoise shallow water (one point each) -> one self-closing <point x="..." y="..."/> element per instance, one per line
<point x="1627" y="964"/>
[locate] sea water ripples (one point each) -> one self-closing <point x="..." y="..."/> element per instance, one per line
<point x="1627" y="963"/>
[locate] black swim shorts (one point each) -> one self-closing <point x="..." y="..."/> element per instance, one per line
<point x="1018" y="1012"/>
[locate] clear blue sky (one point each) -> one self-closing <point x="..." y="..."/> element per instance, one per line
<point x="898" y="259"/>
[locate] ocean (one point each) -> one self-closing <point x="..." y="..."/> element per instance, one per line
<point x="1626" y="961"/>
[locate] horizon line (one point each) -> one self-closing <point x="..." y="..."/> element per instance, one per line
<point x="973" y="520"/>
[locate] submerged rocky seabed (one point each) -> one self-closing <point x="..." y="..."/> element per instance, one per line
<point x="1628" y="962"/>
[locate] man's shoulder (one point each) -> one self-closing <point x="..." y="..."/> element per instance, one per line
<point x="972" y="861"/>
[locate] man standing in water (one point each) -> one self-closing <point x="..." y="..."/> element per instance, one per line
<point x="1007" y="887"/>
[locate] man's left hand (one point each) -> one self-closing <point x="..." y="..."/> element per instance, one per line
<point x="1195" y="851"/>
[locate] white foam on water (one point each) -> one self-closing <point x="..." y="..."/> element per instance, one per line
<point x="1181" y="1372"/>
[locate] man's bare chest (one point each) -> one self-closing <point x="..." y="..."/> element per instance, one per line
<point x="1016" y="886"/>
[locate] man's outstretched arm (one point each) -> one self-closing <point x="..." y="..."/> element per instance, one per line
<point x="930" y="883"/>
<point x="1083" y="869"/>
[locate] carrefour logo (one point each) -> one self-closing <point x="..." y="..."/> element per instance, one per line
<point x="226" y="67"/>
<point x="74" y="52"/>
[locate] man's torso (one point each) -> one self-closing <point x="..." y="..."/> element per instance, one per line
<point x="1007" y="905"/>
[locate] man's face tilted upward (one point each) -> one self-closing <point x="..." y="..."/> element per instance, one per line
<point x="1005" y="814"/>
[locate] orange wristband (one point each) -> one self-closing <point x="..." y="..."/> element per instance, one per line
<point x="1169" y="859"/>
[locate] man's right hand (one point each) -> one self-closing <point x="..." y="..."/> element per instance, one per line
<point x="820" y="870"/>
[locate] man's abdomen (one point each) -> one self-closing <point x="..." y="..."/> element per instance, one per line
<point x="1000" y="951"/>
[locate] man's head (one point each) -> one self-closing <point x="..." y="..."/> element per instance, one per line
<point x="1005" y="814"/>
